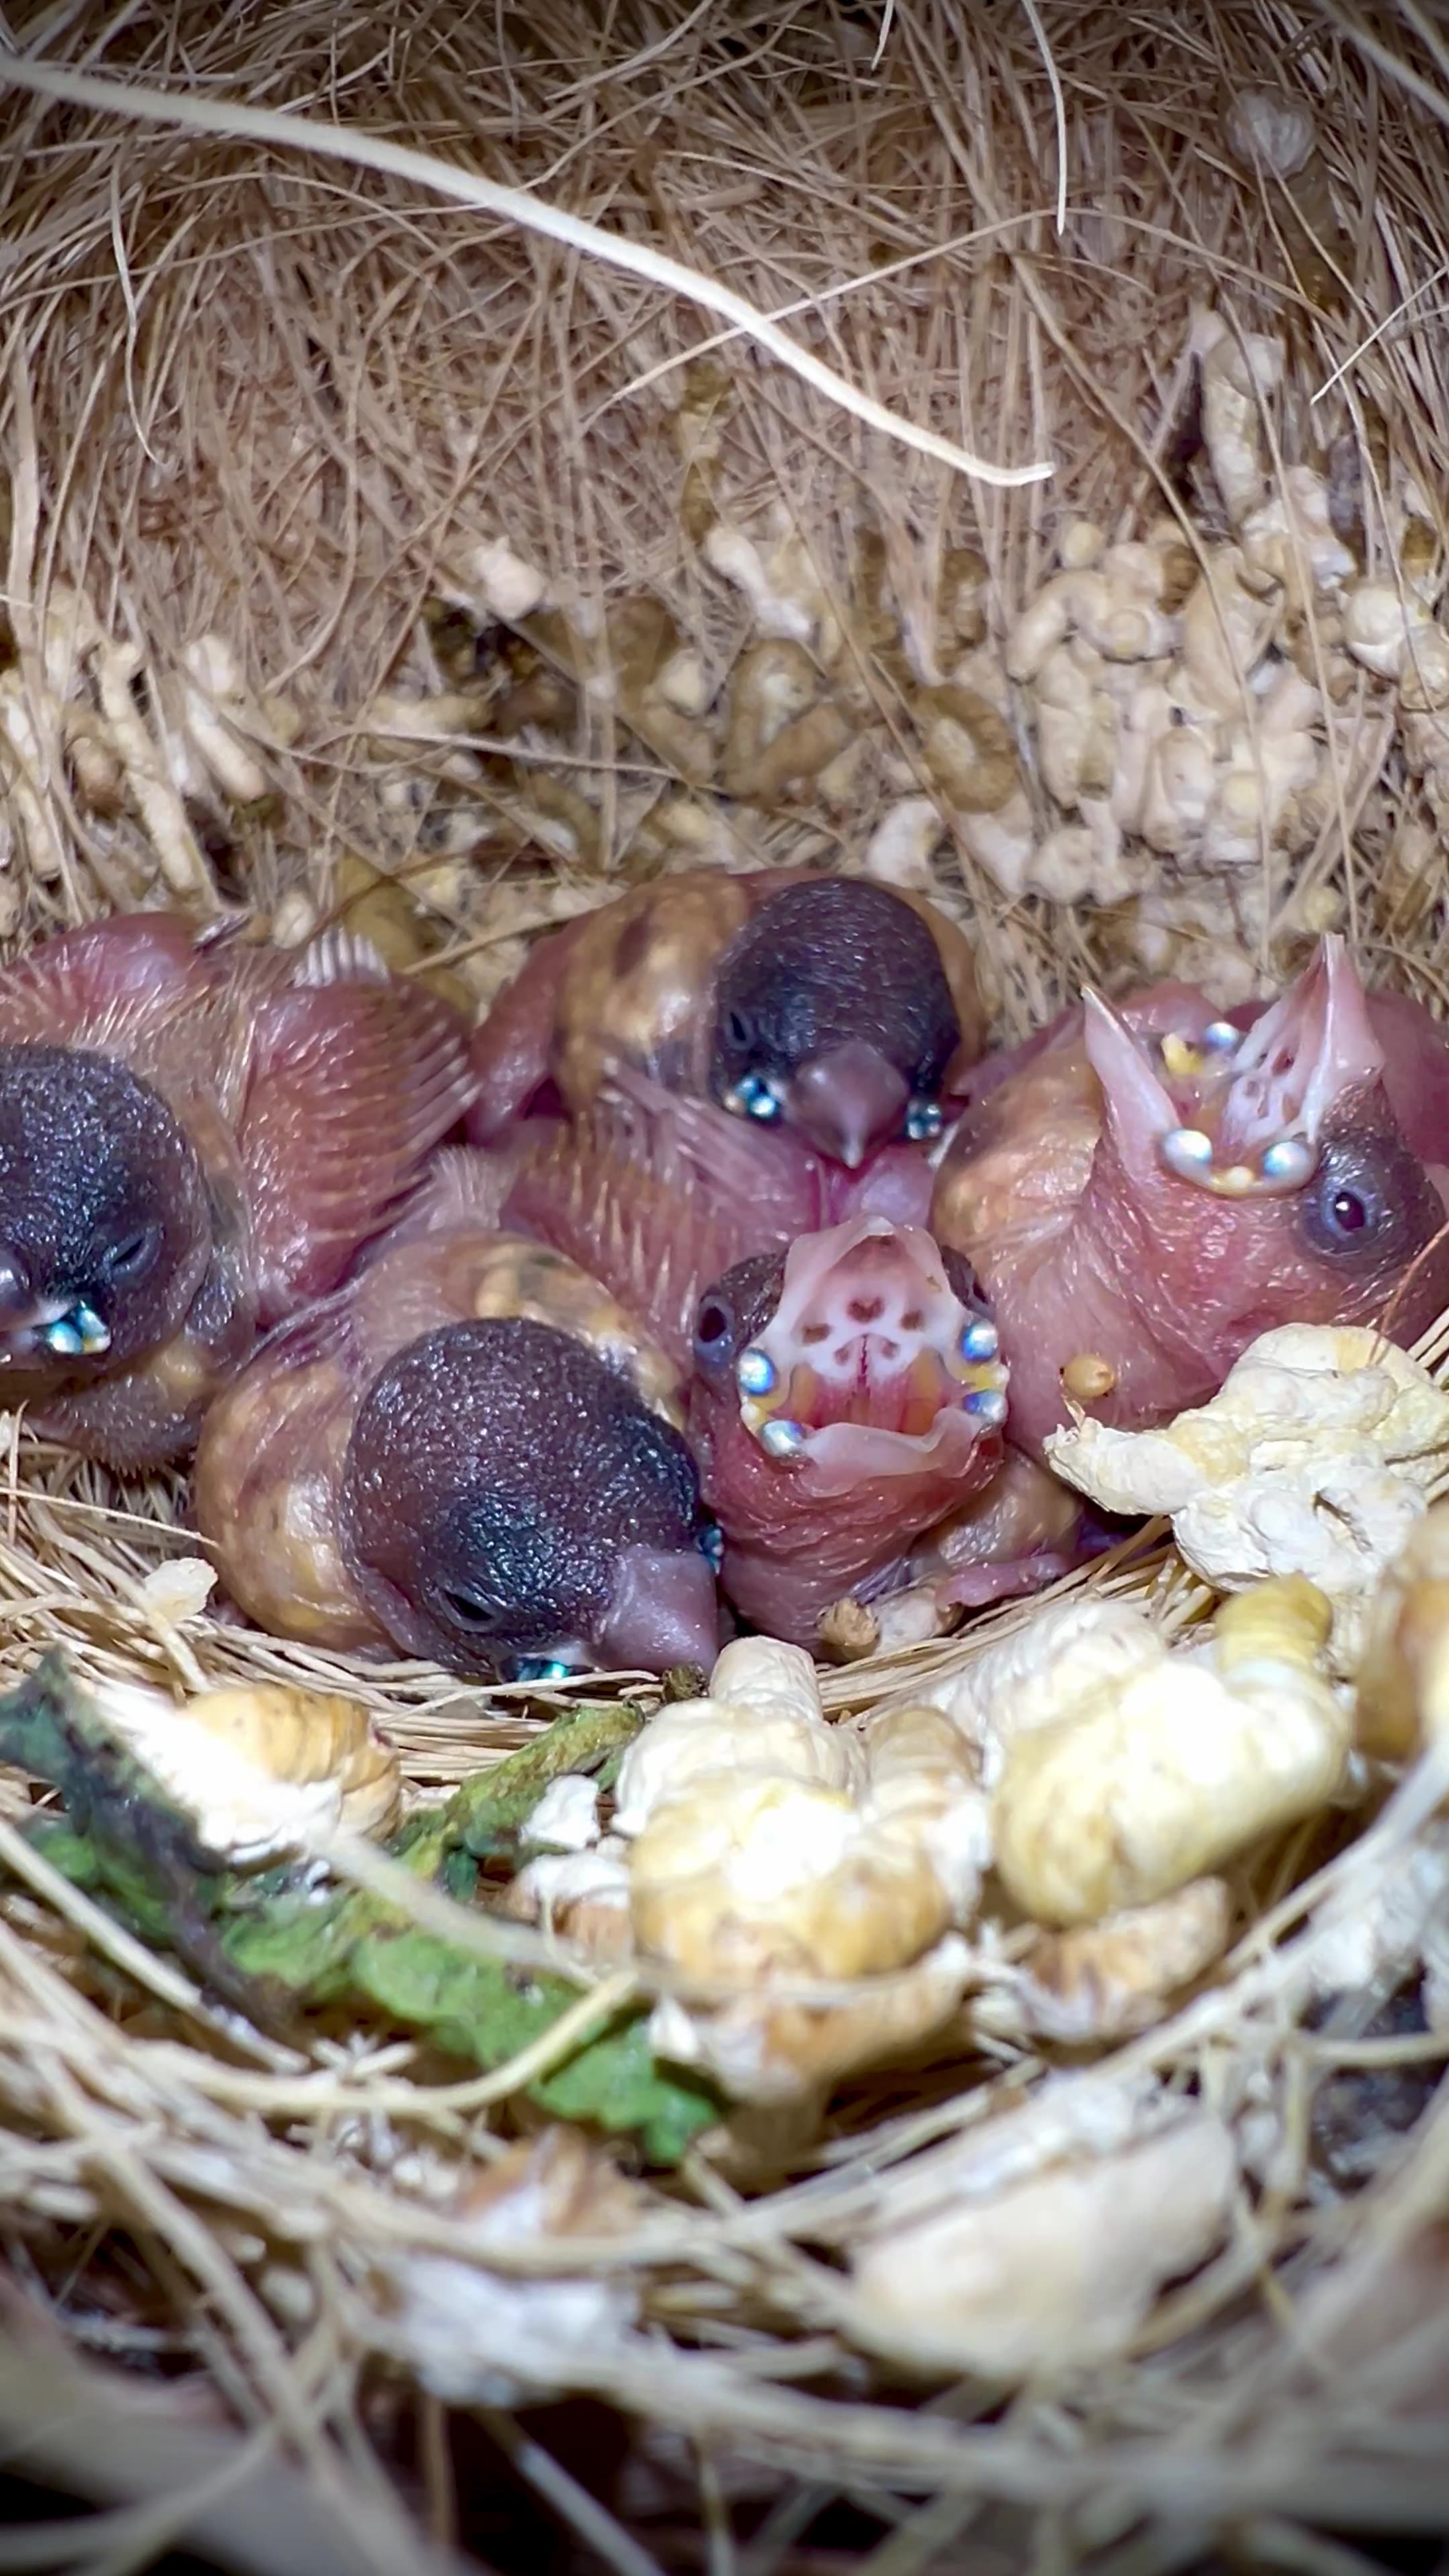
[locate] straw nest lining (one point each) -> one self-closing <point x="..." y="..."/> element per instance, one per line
<point x="285" y="404"/>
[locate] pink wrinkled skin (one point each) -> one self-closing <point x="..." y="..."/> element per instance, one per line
<point x="863" y="1325"/>
<point x="656" y="1196"/>
<point x="1054" y="1188"/>
<point x="310" y="1086"/>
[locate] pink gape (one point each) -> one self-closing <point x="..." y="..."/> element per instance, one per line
<point x="847" y="1396"/>
<point x="1157" y="1185"/>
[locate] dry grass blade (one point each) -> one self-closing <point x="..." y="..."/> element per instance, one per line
<point x="224" y="117"/>
<point x="189" y="2485"/>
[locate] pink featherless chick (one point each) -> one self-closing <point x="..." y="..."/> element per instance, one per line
<point x="197" y="1134"/>
<point x="470" y="1453"/>
<point x="1155" y="1185"/>
<point x="842" y="1394"/>
<point x="764" y="1055"/>
<point x="845" y="1396"/>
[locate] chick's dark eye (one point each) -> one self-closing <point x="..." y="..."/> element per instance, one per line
<point x="1357" y="1203"/>
<point x="1343" y="1214"/>
<point x="739" y="1030"/>
<point x="714" y="1329"/>
<point x="474" y="1610"/>
<point x="130" y="1254"/>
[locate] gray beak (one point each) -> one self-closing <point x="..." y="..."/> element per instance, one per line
<point x="847" y="1101"/>
<point x="664" y="1611"/>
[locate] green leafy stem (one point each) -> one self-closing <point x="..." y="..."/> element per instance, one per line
<point x="277" y="1948"/>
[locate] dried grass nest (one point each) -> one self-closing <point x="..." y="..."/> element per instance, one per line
<point x="365" y="559"/>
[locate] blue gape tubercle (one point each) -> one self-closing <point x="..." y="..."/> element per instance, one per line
<point x="78" y="1333"/>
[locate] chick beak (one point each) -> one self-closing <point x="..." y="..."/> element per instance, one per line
<point x="847" y="1101"/>
<point x="664" y="1611"/>
<point x="1139" y="1110"/>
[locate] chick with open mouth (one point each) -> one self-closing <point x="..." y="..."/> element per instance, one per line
<point x="846" y="1395"/>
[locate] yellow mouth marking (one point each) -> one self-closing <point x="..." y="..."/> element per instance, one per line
<point x="931" y="1382"/>
<point x="1190" y="1151"/>
<point x="1181" y="1060"/>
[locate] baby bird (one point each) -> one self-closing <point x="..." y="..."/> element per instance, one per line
<point x="468" y="1454"/>
<point x="196" y="1136"/>
<point x="846" y="1395"/>
<point x="829" y="1007"/>
<point x="715" y="1065"/>
<point x="1154" y="1186"/>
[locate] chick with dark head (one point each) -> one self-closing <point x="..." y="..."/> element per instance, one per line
<point x="748" y="990"/>
<point x="508" y="1500"/>
<point x="470" y="1454"/>
<point x="715" y="1065"/>
<point x="106" y="1218"/>
<point x="833" y="1015"/>
<point x="196" y="1135"/>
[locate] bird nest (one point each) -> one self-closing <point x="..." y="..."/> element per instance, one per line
<point x="456" y="466"/>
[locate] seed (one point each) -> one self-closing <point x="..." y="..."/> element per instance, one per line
<point x="1087" y="1377"/>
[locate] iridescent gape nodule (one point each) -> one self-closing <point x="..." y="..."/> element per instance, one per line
<point x="1260" y="1097"/>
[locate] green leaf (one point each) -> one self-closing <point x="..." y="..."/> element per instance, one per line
<point x="489" y="2010"/>
<point x="268" y="1943"/>
<point x="486" y="1814"/>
